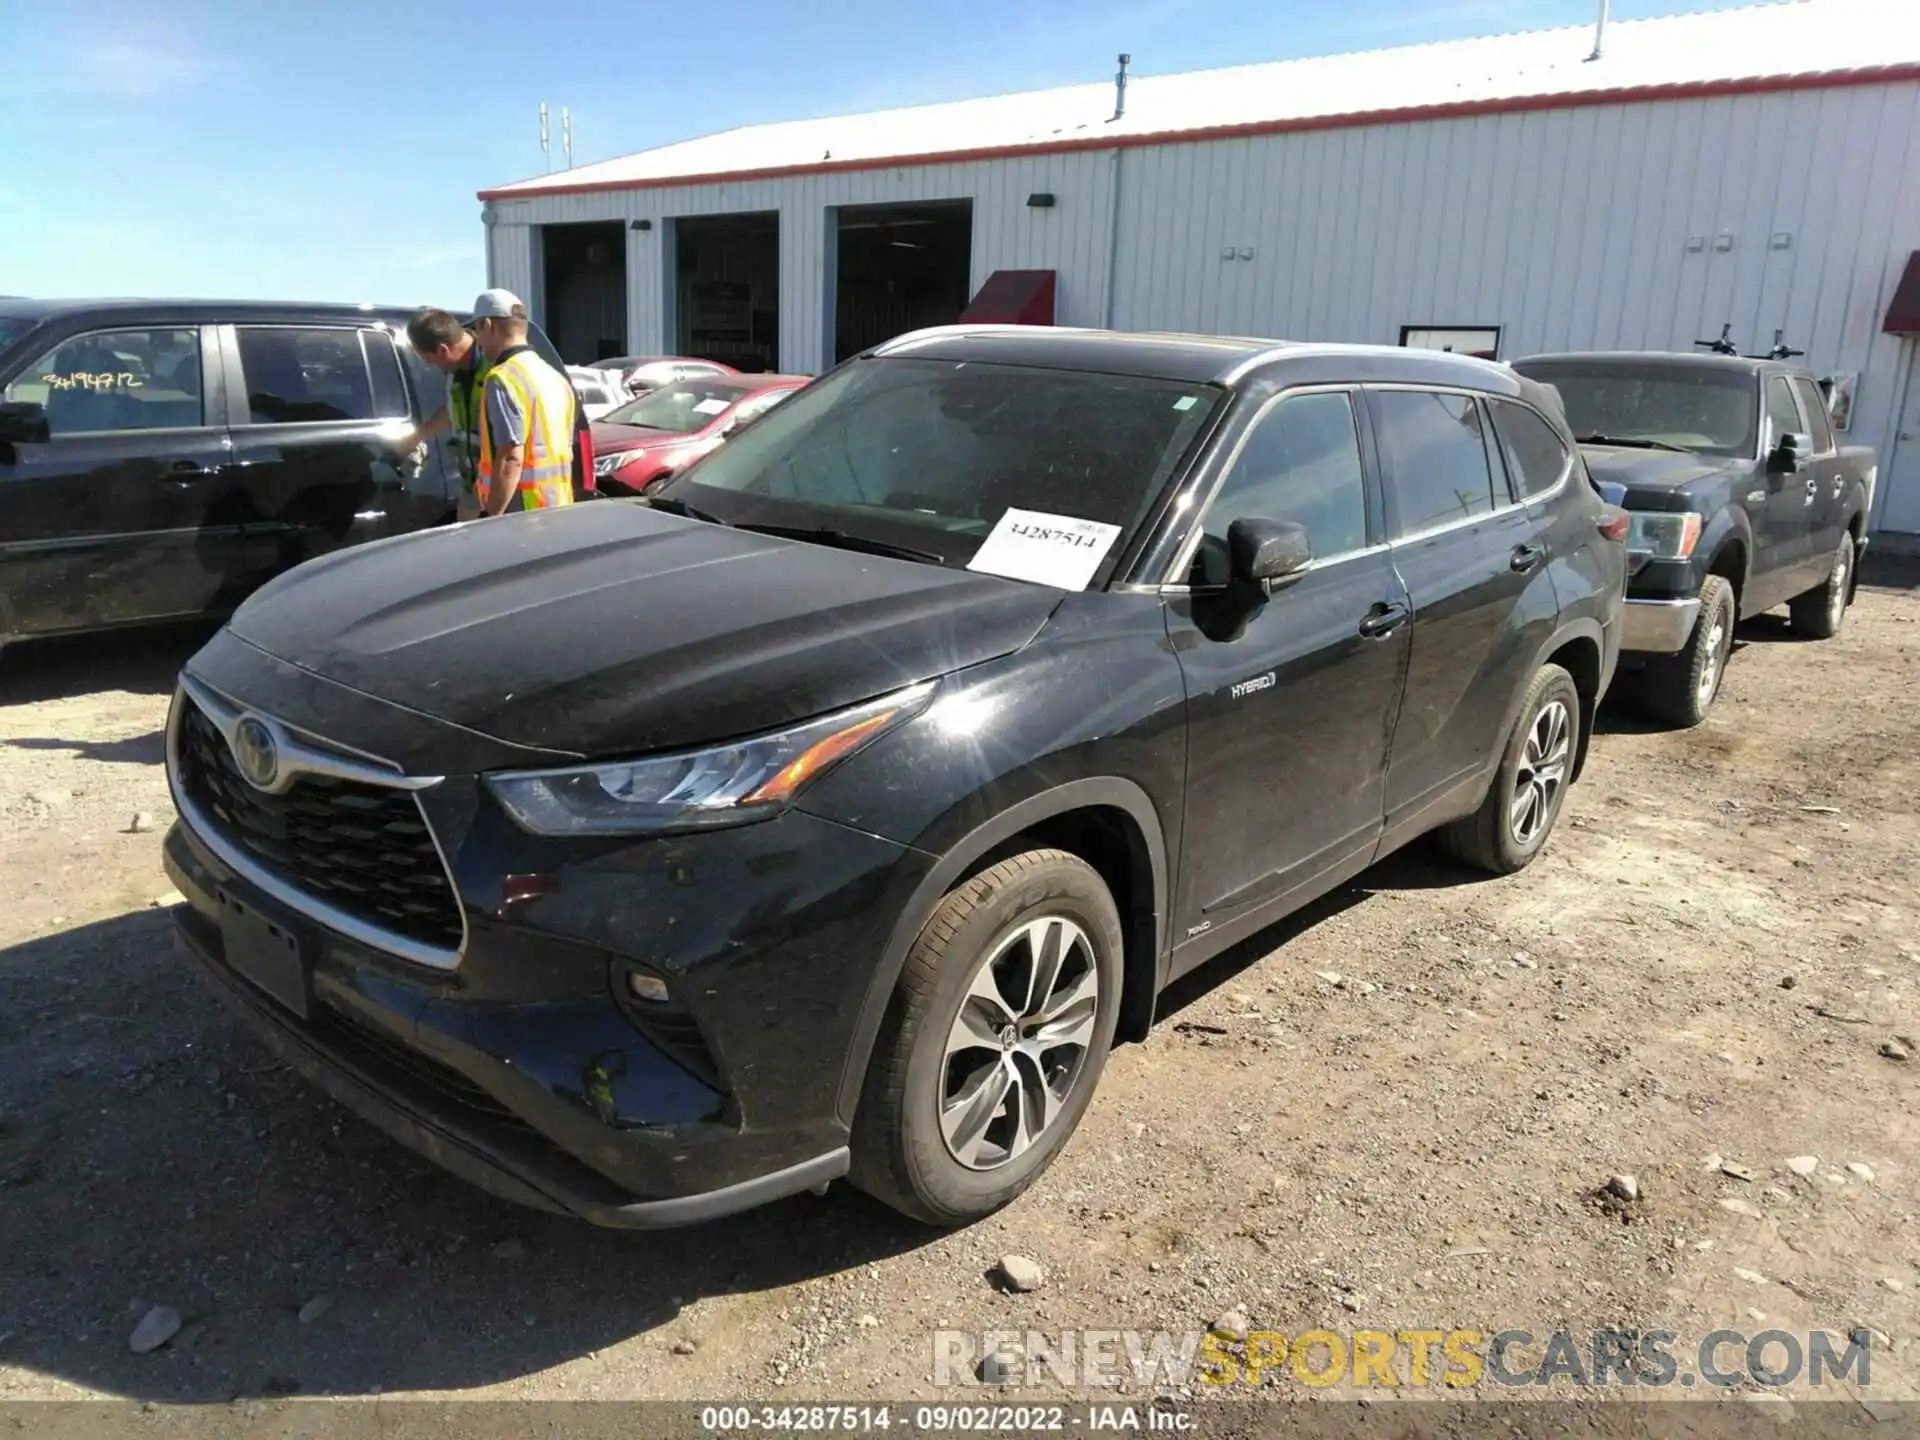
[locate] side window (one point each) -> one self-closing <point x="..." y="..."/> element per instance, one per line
<point x="1783" y="416"/>
<point x="295" y="376"/>
<point x="1815" y="409"/>
<point x="1536" y="458"/>
<point x="389" y="390"/>
<point x="1301" y="463"/>
<point x="117" y="380"/>
<point x="1436" y="457"/>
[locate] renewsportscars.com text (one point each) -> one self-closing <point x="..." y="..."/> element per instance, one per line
<point x="1415" y="1359"/>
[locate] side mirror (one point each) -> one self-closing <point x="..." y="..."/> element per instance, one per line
<point x="1271" y="554"/>
<point x="1790" y="453"/>
<point x="22" y="422"/>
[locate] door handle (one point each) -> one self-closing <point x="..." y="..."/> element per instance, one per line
<point x="1525" y="557"/>
<point x="190" y="472"/>
<point x="1383" y="619"/>
<point x="1813" y="484"/>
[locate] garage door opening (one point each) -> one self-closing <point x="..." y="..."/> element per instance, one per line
<point x="727" y="289"/>
<point x="585" y="312"/>
<point x="900" y="267"/>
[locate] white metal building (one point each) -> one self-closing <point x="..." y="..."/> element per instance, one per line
<point x="1757" y="167"/>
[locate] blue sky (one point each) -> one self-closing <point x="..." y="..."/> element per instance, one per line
<point x="331" y="151"/>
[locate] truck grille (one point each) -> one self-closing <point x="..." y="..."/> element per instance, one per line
<point x="363" y="849"/>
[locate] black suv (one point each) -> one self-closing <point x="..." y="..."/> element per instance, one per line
<point x="162" y="459"/>
<point x="831" y="811"/>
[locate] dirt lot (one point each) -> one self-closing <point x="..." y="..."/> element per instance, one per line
<point x="1708" y="961"/>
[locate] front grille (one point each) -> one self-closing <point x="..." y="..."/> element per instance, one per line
<point x="363" y="849"/>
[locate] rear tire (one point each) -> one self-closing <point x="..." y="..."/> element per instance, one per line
<point x="976" y="1081"/>
<point x="1821" y="612"/>
<point x="1681" y="688"/>
<point x="1513" y="822"/>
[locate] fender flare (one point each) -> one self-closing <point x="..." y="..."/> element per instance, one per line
<point x="1730" y="523"/>
<point x="1581" y="627"/>
<point x="1108" y="791"/>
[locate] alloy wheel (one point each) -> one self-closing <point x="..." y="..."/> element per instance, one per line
<point x="1542" y="773"/>
<point x="1019" y="1044"/>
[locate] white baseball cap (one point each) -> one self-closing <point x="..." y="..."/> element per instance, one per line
<point x="498" y="305"/>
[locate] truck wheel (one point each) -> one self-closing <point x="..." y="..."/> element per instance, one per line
<point x="1680" y="688"/>
<point x="1513" y="822"/>
<point x="1819" y="613"/>
<point x="994" y="1040"/>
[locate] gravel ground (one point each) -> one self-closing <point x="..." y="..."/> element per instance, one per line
<point x="1394" y="1112"/>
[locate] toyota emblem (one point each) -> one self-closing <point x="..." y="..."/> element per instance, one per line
<point x="256" y="752"/>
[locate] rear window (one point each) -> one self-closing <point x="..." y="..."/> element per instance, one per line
<point x="1700" y="408"/>
<point x="934" y="453"/>
<point x="1436" y="455"/>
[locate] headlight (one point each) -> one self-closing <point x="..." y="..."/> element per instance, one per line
<point x="1663" y="536"/>
<point x="606" y="464"/>
<point x="726" y="785"/>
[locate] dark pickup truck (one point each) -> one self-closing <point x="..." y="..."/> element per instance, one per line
<point x="1740" y="497"/>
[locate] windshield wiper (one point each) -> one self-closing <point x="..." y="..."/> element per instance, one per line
<point x="846" y="541"/>
<point x="1630" y="443"/>
<point x="680" y="507"/>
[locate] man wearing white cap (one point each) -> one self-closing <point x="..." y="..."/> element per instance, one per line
<point x="527" y="416"/>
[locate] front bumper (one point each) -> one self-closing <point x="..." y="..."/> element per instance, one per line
<point x="1658" y="626"/>
<point x="524" y="1069"/>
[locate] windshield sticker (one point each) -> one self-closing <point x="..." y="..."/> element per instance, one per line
<point x="1185" y="402"/>
<point x="1057" y="550"/>
<point x="711" y="407"/>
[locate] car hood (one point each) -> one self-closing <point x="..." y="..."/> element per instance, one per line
<point x="609" y="627"/>
<point x="611" y="439"/>
<point x="1646" y="471"/>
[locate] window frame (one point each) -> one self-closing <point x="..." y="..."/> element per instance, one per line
<point x="212" y="386"/>
<point x="1480" y="397"/>
<point x="1569" y="448"/>
<point x="1807" y="392"/>
<point x="240" y="416"/>
<point x="1180" y="562"/>
<point x="1497" y="331"/>
<point x="1769" y="438"/>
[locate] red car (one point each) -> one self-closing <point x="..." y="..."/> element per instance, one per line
<point x="656" y="434"/>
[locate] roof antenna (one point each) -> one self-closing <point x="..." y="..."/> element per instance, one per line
<point x="1781" y="350"/>
<point x="1724" y="345"/>
<point x="1599" y="30"/>
<point x="1120" y="89"/>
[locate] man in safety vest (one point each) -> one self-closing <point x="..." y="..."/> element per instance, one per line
<point x="527" y="415"/>
<point x="444" y="343"/>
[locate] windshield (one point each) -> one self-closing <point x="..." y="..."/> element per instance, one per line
<point x="10" y="330"/>
<point x="1706" y="410"/>
<point x="682" y="407"/>
<point x="929" y="455"/>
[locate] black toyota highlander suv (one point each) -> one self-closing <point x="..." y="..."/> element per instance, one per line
<point x="831" y="810"/>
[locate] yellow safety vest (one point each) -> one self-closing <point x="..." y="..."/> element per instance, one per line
<point x="465" y="390"/>
<point x="546" y="399"/>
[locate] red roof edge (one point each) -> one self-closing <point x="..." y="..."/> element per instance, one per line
<point x="1644" y="94"/>
<point x="1903" y="313"/>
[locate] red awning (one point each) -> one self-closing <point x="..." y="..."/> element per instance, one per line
<point x="1013" y="297"/>
<point x="1903" y="315"/>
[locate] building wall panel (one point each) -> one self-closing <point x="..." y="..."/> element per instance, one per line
<point x="1568" y="228"/>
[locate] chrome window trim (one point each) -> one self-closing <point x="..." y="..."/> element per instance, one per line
<point x="225" y="714"/>
<point x="1566" y="464"/>
<point x="1182" y="559"/>
<point x="1499" y="510"/>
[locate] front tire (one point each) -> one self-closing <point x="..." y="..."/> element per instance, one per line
<point x="1513" y="822"/>
<point x="1821" y="612"/>
<point x="1681" y="688"/>
<point x="994" y="1040"/>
